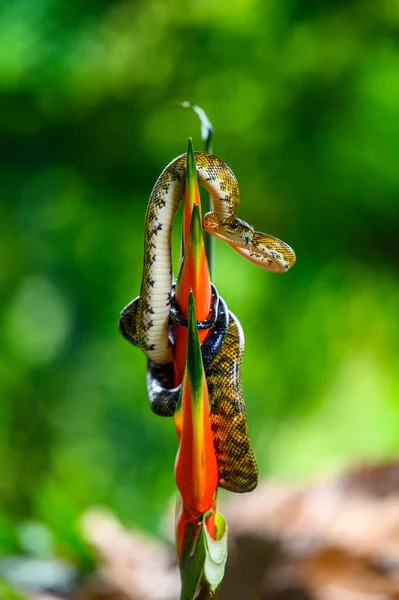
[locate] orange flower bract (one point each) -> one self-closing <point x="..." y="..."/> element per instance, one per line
<point x="196" y="470"/>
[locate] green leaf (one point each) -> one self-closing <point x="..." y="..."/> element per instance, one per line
<point x="191" y="170"/>
<point x="216" y="553"/>
<point x="206" y="125"/>
<point x="195" y="370"/>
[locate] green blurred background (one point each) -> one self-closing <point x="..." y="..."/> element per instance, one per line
<point x="304" y="98"/>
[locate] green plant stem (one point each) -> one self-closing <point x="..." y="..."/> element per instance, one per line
<point x="209" y="241"/>
<point x="207" y="138"/>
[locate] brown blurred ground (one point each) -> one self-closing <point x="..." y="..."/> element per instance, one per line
<point x="334" y="540"/>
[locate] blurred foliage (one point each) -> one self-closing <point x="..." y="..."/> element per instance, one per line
<point x="303" y="96"/>
<point x="9" y="593"/>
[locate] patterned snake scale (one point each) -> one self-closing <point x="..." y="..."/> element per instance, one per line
<point x="146" y="321"/>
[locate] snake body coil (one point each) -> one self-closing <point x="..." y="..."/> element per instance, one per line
<point x="222" y="353"/>
<point x="146" y="321"/>
<point x="219" y="180"/>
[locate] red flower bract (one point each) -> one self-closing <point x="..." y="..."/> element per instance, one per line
<point x="196" y="469"/>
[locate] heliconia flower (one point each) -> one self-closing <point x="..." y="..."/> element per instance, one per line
<point x="194" y="272"/>
<point x="196" y="469"/>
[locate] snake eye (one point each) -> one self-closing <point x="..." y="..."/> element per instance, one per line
<point x="234" y="224"/>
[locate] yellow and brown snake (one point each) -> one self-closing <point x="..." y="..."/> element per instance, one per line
<point x="145" y="322"/>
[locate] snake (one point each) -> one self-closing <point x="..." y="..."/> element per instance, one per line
<point x="147" y="320"/>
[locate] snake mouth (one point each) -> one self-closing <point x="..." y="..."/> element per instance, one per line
<point x="210" y="223"/>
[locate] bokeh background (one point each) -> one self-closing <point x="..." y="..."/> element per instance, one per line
<point x="304" y="99"/>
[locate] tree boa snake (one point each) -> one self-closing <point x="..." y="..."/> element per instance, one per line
<point x="146" y="321"/>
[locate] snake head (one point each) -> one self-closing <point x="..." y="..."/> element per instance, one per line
<point x="232" y="230"/>
<point x="262" y="249"/>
